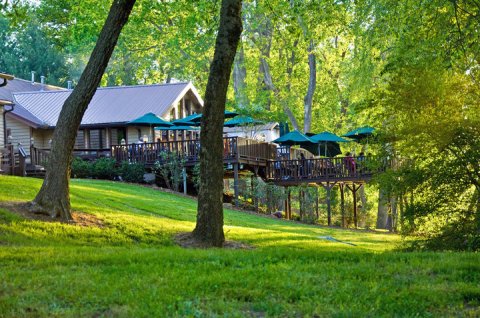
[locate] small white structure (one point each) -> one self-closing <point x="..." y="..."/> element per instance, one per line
<point x="265" y="132"/>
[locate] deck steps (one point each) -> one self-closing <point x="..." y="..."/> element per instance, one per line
<point x="35" y="171"/>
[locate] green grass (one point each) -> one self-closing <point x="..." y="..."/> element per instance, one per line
<point x="131" y="268"/>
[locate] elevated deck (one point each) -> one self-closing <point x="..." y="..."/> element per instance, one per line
<point x="274" y="164"/>
<point x="323" y="170"/>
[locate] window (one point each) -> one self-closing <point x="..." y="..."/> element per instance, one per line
<point x="172" y="114"/>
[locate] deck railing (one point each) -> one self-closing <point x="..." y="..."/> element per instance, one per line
<point x="324" y="169"/>
<point x="235" y="148"/>
<point x="39" y="156"/>
<point x="7" y="160"/>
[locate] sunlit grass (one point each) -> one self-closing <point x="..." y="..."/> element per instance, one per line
<point x="132" y="268"/>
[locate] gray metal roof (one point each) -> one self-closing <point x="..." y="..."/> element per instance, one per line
<point x="109" y="104"/>
<point x="20" y="85"/>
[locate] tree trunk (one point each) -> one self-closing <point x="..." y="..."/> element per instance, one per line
<point x="312" y="84"/>
<point x="209" y="228"/>
<point x="54" y="198"/>
<point x="239" y="78"/>
<point x="382" y="214"/>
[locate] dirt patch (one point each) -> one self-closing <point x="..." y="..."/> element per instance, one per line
<point x="79" y="218"/>
<point x="186" y="240"/>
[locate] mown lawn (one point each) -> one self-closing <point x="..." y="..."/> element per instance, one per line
<point x="132" y="268"/>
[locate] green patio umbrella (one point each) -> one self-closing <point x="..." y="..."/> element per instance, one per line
<point x="360" y="133"/>
<point x="196" y="119"/>
<point x="328" y="143"/>
<point x="242" y="121"/>
<point x="297" y="138"/>
<point x="150" y="119"/>
<point x="178" y="128"/>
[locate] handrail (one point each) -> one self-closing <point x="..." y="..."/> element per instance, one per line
<point x="233" y="149"/>
<point x="339" y="168"/>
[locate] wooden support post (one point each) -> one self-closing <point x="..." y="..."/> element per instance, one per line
<point x="354" y="190"/>
<point x="235" y="184"/>
<point x="289" y="199"/>
<point x="316" y="203"/>
<point x="253" y="179"/>
<point x="342" y="202"/>
<point x="286" y="203"/>
<point x="184" y="172"/>
<point x="328" y="187"/>
<point x="329" y="204"/>
<point x="355" y="221"/>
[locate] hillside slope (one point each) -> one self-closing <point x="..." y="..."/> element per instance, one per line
<point x="129" y="265"/>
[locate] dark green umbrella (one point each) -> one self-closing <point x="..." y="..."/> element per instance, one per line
<point x="328" y="143"/>
<point x="297" y="138"/>
<point x="196" y="119"/>
<point x="150" y="119"/>
<point x="360" y="133"/>
<point x="242" y="121"/>
<point x="178" y="128"/>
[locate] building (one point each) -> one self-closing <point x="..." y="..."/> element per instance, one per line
<point x="264" y="132"/>
<point x="35" y="113"/>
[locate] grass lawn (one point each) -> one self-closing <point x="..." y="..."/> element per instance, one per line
<point x="132" y="268"/>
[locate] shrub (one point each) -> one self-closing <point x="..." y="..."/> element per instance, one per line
<point x="170" y="167"/>
<point x="104" y="168"/>
<point x="132" y="172"/>
<point x="81" y="168"/>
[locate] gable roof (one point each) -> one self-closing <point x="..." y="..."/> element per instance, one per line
<point x="20" y="85"/>
<point x="109" y="105"/>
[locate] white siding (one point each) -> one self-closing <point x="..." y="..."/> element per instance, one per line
<point x="20" y="133"/>
<point x="132" y="133"/>
<point x="41" y="137"/>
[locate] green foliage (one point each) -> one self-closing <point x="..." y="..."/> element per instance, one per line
<point x="132" y="172"/>
<point x="170" y="168"/>
<point x="81" y="168"/>
<point x="105" y="168"/>
<point x="290" y="272"/>
<point x="196" y="176"/>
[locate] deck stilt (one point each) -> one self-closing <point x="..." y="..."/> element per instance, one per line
<point x="235" y="184"/>
<point x="342" y="202"/>
<point x="328" y="186"/>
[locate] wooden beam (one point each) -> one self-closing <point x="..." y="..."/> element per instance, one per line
<point x="329" y="187"/>
<point x="342" y="202"/>
<point x="235" y="183"/>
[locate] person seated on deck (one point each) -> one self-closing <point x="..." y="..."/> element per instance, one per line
<point x="360" y="162"/>
<point x="349" y="164"/>
<point x="303" y="165"/>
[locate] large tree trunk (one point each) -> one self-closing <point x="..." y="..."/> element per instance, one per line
<point x="54" y="198"/>
<point x="312" y="84"/>
<point x="239" y="80"/>
<point x="209" y="228"/>
<point x="382" y="215"/>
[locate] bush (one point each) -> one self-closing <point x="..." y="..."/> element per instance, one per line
<point x="81" y="168"/>
<point x="104" y="168"/>
<point x="132" y="172"/>
<point x="170" y="168"/>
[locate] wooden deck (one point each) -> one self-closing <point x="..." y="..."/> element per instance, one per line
<point x="236" y="150"/>
<point x="320" y="170"/>
<point x="278" y="165"/>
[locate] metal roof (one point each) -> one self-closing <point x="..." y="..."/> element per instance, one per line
<point x="109" y="104"/>
<point x="20" y="85"/>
